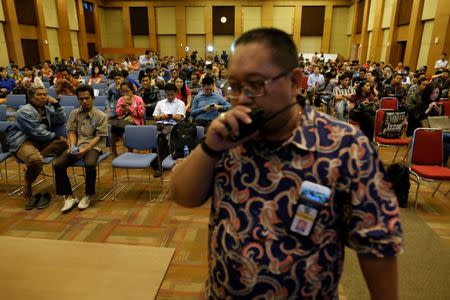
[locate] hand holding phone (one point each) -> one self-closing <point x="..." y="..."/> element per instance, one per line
<point x="257" y="116"/>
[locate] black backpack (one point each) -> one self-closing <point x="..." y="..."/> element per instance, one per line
<point x="398" y="175"/>
<point x="184" y="133"/>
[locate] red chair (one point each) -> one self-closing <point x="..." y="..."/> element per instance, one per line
<point x="426" y="159"/>
<point x="387" y="142"/>
<point x="445" y="105"/>
<point x="389" y="103"/>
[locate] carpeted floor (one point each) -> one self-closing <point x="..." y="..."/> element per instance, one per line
<point x="132" y="219"/>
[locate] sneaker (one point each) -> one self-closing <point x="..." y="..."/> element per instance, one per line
<point x="69" y="203"/>
<point x="44" y="201"/>
<point x="32" y="202"/>
<point x="85" y="202"/>
<point x="157" y="173"/>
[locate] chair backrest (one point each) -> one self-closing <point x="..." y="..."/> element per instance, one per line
<point x="51" y="91"/>
<point x="427" y="147"/>
<point x="69" y="101"/>
<point x="100" y="86"/>
<point x="379" y="116"/>
<point x="140" y="137"/>
<point x="389" y="103"/>
<point x="4" y="125"/>
<point x="68" y="110"/>
<point x="2" y="112"/>
<point x="100" y="101"/>
<point x="446" y="106"/>
<point x="15" y="101"/>
<point x="46" y="84"/>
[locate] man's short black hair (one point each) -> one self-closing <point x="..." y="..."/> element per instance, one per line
<point x="207" y="80"/>
<point x="84" y="88"/>
<point x="420" y="80"/>
<point x="115" y="74"/>
<point x="284" y="51"/>
<point x="170" y="87"/>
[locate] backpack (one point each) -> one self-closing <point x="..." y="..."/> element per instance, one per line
<point x="398" y="175"/>
<point x="184" y="133"/>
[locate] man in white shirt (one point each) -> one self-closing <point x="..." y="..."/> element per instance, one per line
<point x="146" y="61"/>
<point x="442" y="63"/>
<point x="167" y="113"/>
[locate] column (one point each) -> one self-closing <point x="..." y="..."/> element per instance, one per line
<point x="353" y="41"/>
<point x="297" y="25"/>
<point x="440" y="41"/>
<point x="42" y="31"/>
<point x="326" y="35"/>
<point x="364" y="34"/>
<point x="82" y="37"/>
<point x="98" y="34"/>
<point x="208" y="25"/>
<point x="12" y="33"/>
<point x="237" y="19"/>
<point x="414" y="34"/>
<point x="127" y="26"/>
<point x="64" y="41"/>
<point x="377" y="33"/>
<point x="390" y="51"/>
<point x="180" y="16"/>
<point x="152" y="27"/>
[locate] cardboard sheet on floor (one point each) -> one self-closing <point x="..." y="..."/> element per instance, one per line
<point x="51" y="269"/>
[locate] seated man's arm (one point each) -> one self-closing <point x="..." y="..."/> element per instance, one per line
<point x="381" y="287"/>
<point x="195" y="109"/>
<point x="181" y="112"/>
<point x="224" y="105"/>
<point x="31" y="126"/>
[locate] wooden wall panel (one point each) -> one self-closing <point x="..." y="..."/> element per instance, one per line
<point x="50" y="13"/>
<point x="166" y="20"/>
<point x="197" y="43"/>
<point x="167" y="45"/>
<point x="310" y="44"/>
<point x="2" y="14"/>
<point x="4" y="58"/>
<point x="339" y="40"/>
<point x="219" y="27"/>
<point x="195" y="20"/>
<point x="387" y="12"/>
<point x="222" y="43"/>
<point x="251" y="17"/>
<point x="112" y="32"/>
<point x="72" y="12"/>
<point x="53" y="43"/>
<point x="141" y="41"/>
<point x="373" y="6"/>
<point x="283" y="18"/>
<point x="429" y="9"/>
<point x="425" y="43"/>
<point x="384" y="45"/>
<point x="139" y="20"/>
<point x="75" y="47"/>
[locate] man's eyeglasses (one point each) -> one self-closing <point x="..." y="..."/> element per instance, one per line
<point x="254" y="88"/>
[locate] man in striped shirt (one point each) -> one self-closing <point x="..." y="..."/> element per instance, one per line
<point x="342" y="93"/>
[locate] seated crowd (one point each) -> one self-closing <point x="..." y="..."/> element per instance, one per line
<point x="164" y="91"/>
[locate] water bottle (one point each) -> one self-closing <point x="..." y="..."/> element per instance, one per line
<point x="186" y="150"/>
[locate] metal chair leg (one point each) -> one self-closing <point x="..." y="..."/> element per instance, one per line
<point x="435" y="190"/>
<point x="417" y="194"/>
<point x="396" y="152"/>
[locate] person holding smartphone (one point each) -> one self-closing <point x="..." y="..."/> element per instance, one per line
<point x="167" y="113"/>
<point x="207" y="105"/>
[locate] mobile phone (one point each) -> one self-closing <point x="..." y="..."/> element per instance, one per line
<point x="257" y="116"/>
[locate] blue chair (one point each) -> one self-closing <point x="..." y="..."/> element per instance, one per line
<point x="2" y="112"/>
<point x="4" y="155"/>
<point x="143" y="137"/>
<point x="46" y="84"/>
<point x="169" y="162"/>
<point x="69" y="101"/>
<point x="68" y="110"/>
<point x="15" y="102"/>
<point x="51" y="91"/>
<point x="100" y="101"/>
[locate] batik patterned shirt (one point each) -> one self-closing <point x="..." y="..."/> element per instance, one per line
<point x="253" y="252"/>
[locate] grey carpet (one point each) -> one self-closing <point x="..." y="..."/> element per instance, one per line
<point x="424" y="267"/>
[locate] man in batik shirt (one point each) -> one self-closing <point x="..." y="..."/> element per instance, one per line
<point x="265" y="241"/>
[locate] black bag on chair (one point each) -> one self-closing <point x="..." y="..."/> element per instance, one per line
<point x="184" y="133"/>
<point x="398" y="175"/>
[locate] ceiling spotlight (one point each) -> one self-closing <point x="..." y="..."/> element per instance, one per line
<point x="210" y="48"/>
<point x="223" y="19"/>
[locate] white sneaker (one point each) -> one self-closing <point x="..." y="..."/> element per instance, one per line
<point x="85" y="202"/>
<point x="69" y="203"/>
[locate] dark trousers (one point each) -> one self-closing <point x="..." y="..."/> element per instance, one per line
<point x="63" y="186"/>
<point x="163" y="143"/>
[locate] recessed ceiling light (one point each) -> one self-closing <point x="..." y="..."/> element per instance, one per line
<point x="223" y="19"/>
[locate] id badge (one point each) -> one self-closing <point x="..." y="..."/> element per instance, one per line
<point x="312" y="197"/>
<point x="304" y="219"/>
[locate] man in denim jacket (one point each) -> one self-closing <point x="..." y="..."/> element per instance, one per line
<point x="31" y="137"/>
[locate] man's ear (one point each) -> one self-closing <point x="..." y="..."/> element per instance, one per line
<point x="296" y="77"/>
